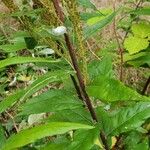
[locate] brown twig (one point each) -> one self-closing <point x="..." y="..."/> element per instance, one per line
<point x="89" y="47"/>
<point x="119" y="45"/>
<point x="14" y="123"/>
<point x="78" y="72"/>
<point x="128" y="29"/>
<point x="79" y="76"/>
<point x="146" y="86"/>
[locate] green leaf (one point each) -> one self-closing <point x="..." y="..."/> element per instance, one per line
<point x="30" y="42"/>
<point x="10" y="100"/>
<point x="104" y="13"/>
<point x="2" y="136"/>
<point x="86" y="4"/>
<point x="84" y="140"/>
<point x="85" y="16"/>
<point x="129" y="118"/>
<point x="139" y="59"/>
<point x="135" y="44"/>
<point x="51" y="101"/>
<point x="20" y="60"/>
<point x="90" y="30"/>
<point x="55" y="146"/>
<point x="79" y="115"/>
<point x="13" y="47"/>
<point x="34" y="87"/>
<point x="141" y="11"/>
<point x="100" y="68"/>
<point x="30" y="135"/>
<point x="110" y="90"/>
<point x="141" y="30"/>
<point x="136" y="141"/>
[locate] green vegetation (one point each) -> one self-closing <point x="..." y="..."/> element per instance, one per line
<point x="65" y="78"/>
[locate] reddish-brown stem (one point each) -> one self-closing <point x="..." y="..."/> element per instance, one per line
<point x="79" y="76"/>
<point x="119" y="45"/>
<point x="146" y="86"/>
<point x="78" y="72"/>
<point x="58" y="10"/>
<point x="128" y="29"/>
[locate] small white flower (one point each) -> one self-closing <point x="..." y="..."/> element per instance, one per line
<point x="59" y="30"/>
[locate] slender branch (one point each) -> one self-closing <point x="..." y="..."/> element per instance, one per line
<point x="146" y="86"/>
<point x="79" y="76"/>
<point x="78" y="72"/>
<point x="128" y="29"/>
<point x="92" y="51"/>
<point x="14" y="123"/>
<point x="119" y="44"/>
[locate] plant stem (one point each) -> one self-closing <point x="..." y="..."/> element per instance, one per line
<point x="79" y="76"/>
<point x="146" y="86"/>
<point x="128" y="29"/>
<point x="78" y="72"/>
<point x="119" y="44"/>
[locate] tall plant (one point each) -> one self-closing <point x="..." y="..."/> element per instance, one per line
<point x="77" y="102"/>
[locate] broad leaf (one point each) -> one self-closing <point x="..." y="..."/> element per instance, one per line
<point x="84" y="140"/>
<point x="110" y="90"/>
<point x="30" y="135"/>
<point x="79" y="115"/>
<point x="51" y="101"/>
<point x="129" y="118"/>
<point x="141" y="30"/>
<point x="135" y="44"/>
<point x="100" y="68"/>
<point x="20" y="60"/>
<point x="136" y="141"/>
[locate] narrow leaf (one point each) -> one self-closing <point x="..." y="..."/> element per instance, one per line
<point x="86" y="4"/>
<point x="141" y="11"/>
<point x="30" y="135"/>
<point x="34" y="87"/>
<point x="90" y="30"/>
<point x="20" y="60"/>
